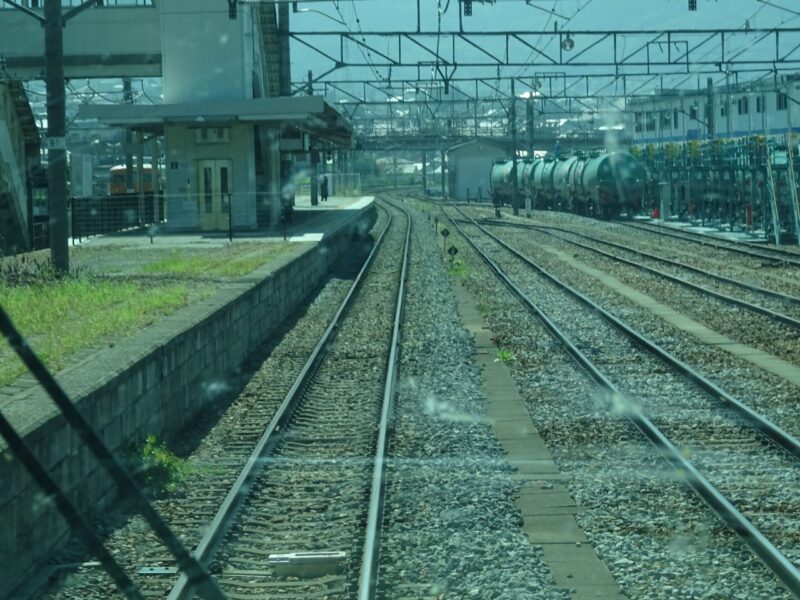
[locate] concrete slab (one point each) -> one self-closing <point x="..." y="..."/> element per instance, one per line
<point x="510" y="429"/>
<point x="533" y="467"/>
<point x="539" y="477"/>
<point x="537" y="504"/>
<point x="547" y="508"/>
<point x="541" y="487"/>
<point x="590" y="570"/>
<point x="553" y="529"/>
<point x="569" y="553"/>
<point x="596" y="592"/>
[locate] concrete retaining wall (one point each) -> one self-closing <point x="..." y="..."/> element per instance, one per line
<point x="155" y="382"/>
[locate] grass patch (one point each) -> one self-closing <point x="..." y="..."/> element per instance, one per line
<point x="222" y="263"/>
<point x="459" y="268"/>
<point x="60" y="318"/>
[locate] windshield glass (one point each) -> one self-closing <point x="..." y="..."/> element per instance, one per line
<point x="367" y="299"/>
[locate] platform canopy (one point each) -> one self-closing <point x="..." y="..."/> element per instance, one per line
<point x="307" y="113"/>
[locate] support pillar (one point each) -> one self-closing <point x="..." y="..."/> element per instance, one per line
<point x="284" y="89"/>
<point x="443" y="175"/>
<point x="140" y="174"/>
<point x="154" y="177"/>
<point x="314" y="173"/>
<point x="127" y="95"/>
<point x="424" y="174"/>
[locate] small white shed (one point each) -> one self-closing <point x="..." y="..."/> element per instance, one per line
<point x="470" y="166"/>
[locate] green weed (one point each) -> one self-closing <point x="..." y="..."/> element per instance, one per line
<point x="157" y="469"/>
<point x="459" y="268"/>
<point x="505" y="356"/>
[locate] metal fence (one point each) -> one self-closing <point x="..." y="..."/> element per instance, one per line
<point x="110" y="214"/>
<point x="39" y="4"/>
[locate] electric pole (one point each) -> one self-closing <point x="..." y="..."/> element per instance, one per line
<point x="514" y="178"/>
<point x="56" y="136"/>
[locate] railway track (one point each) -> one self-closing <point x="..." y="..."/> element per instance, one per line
<point x="737" y="461"/>
<point x="752" y="249"/>
<point x="782" y="308"/>
<point x="295" y="522"/>
<point x="207" y="500"/>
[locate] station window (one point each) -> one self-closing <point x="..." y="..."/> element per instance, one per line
<point x="744" y="105"/>
<point x="637" y="122"/>
<point x="666" y="120"/>
<point x="649" y="122"/>
<point x="759" y="104"/>
<point x="783" y="101"/>
<point x="723" y="110"/>
<point x="693" y="112"/>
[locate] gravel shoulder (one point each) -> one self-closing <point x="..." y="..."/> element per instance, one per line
<point x="658" y="539"/>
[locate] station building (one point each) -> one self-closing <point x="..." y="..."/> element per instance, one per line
<point x="223" y="129"/>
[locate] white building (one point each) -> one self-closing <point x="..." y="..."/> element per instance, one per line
<point x="470" y="167"/>
<point x="766" y="108"/>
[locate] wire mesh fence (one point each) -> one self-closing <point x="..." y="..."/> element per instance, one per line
<point x="110" y="214"/>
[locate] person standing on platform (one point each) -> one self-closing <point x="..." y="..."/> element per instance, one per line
<point x="323" y="188"/>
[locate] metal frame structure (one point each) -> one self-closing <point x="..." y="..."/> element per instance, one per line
<point x="423" y="59"/>
<point x="666" y="51"/>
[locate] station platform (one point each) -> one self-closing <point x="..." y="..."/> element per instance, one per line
<point x="309" y="224"/>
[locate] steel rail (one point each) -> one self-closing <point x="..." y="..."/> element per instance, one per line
<point x="368" y="579"/>
<point x="726" y="511"/>
<point x="772" y="431"/>
<point x="183" y="589"/>
<point x="715" y="242"/>
<point x="786" y="319"/>
<point x="721" y="278"/>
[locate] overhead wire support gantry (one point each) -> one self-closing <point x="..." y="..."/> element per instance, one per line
<point x="653" y="51"/>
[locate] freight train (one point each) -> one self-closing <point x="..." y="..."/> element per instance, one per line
<point x="607" y="186"/>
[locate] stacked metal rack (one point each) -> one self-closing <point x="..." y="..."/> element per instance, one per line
<point x="746" y="184"/>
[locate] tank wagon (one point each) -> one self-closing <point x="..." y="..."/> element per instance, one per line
<point x="605" y="186"/>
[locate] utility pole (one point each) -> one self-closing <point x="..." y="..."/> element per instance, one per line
<point x="56" y="136"/>
<point x="514" y="178"/>
<point x="710" y="116"/>
<point x="529" y="115"/>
